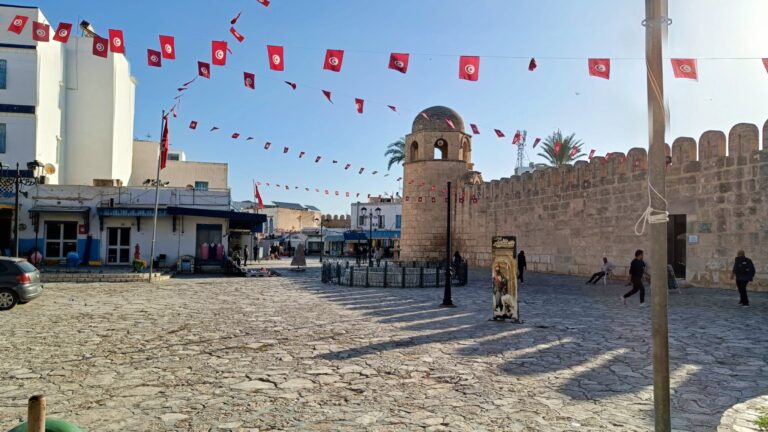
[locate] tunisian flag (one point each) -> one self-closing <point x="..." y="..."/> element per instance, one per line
<point x="399" y="62"/>
<point x="333" y="60"/>
<point x="250" y="80"/>
<point x="240" y="38"/>
<point x="219" y="53"/>
<point x="168" y="47"/>
<point x="116" y="41"/>
<point x="62" y="32"/>
<point x="18" y="23"/>
<point x="164" y="144"/>
<point x="475" y="130"/>
<point x="100" y="46"/>
<point x="499" y="133"/>
<point x="41" y="32"/>
<point x="257" y="195"/>
<point x="685" y="68"/>
<point x="264" y="2"/>
<point x="275" y="53"/>
<point x="204" y="69"/>
<point x="600" y="68"/>
<point x="359" y="105"/>
<point x="154" y="58"/>
<point x="469" y="68"/>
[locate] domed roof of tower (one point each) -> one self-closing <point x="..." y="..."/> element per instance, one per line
<point x="435" y="120"/>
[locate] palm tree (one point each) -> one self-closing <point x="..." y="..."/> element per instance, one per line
<point x="565" y="153"/>
<point x="396" y="153"/>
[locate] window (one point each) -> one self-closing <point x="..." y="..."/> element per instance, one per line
<point x="3" y="72"/>
<point x="173" y="156"/>
<point x="60" y="239"/>
<point x="381" y="221"/>
<point x="398" y="221"/>
<point x="2" y="137"/>
<point x="201" y="185"/>
<point x="361" y="221"/>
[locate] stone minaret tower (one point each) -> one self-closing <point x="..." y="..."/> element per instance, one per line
<point x="435" y="154"/>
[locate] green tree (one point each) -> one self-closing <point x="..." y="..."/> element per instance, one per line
<point x="396" y="153"/>
<point x="565" y="153"/>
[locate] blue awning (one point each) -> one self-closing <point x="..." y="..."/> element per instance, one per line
<point x="130" y="211"/>
<point x="237" y="220"/>
<point x="355" y="236"/>
<point x="386" y="234"/>
<point x="334" y="238"/>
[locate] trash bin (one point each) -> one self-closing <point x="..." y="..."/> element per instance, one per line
<point x="73" y="260"/>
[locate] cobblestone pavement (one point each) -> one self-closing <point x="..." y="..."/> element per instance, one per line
<point x="293" y="354"/>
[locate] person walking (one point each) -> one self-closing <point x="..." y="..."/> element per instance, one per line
<point x="379" y="255"/>
<point x="521" y="266"/>
<point x="636" y="273"/>
<point x="607" y="268"/>
<point x="245" y="256"/>
<point x="744" y="272"/>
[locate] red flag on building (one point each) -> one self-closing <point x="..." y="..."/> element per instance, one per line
<point x="359" y="105"/>
<point x="249" y="80"/>
<point x="62" y="32"/>
<point x="267" y="145"/>
<point x="237" y="17"/>
<point x="193" y="124"/>
<point x="292" y="84"/>
<point x="285" y="149"/>
<point x="204" y="69"/>
<point x="469" y="68"/>
<point x="399" y="62"/>
<point x="275" y="54"/>
<point x="219" y="53"/>
<point x="240" y="38"/>
<point x="450" y="123"/>
<point x="499" y="133"/>
<point x="317" y="159"/>
<point x="100" y="46"/>
<point x="327" y="95"/>
<point x="573" y="152"/>
<point x="557" y="148"/>
<point x="116" y="41"/>
<point x="532" y="65"/>
<point x="600" y="67"/>
<point x="154" y="59"/>
<point x="235" y="135"/>
<point x="333" y="60"/>
<point x="536" y="142"/>
<point x="475" y="130"/>
<point x="164" y="144"/>
<point x="685" y="68"/>
<point x="168" y="47"/>
<point x="392" y="107"/>
<point x="41" y="32"/>
<point x="517" y="138"/>
<point x="264" y="2"/>
<point x="18" y="23"/>
<point x="591" y="154"/>
<point x="257" y="196"/>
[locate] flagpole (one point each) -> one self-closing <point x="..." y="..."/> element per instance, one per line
<point x="157" y="198"/>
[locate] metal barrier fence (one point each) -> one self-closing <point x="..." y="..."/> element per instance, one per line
<point x="395" y="275"/>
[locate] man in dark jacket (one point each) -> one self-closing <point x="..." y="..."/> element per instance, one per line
<point x="521" y="266"/>
<point x="744" y="272"/>
<point x="636" y="272"/>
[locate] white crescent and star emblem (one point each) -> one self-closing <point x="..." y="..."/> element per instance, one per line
<point x="117" y="42"/>
<point x="154" y="58"/>
<point x="41" y="32"/>
<point x="276" y="59"/>
<point x="333" y="61"/>
<point x="168" y="48"/>
<point x="469" y="69"/>
<point x="399" y="64"/>
<point x="219" y="54"/>
<point x="249" y="82"/>
<point x="17" y="22"/>
<point x="358" y="106"/>
<point x="204" y="70"/>
<point x="686" y="68"/>
<point x="63" y="33"/>
<point x="600" y="67"/>
<point x="100" y="46"/>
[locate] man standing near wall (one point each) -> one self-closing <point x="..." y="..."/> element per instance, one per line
<point x="744" y="272"/>
<point x="636" y="273"/>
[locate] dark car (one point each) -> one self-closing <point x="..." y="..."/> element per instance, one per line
<point x="19" y="282"/>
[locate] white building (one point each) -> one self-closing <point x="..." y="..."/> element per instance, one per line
<point x="379" y="219"/>
<point x="63" y="106"/>
<point x="178" y="172"/>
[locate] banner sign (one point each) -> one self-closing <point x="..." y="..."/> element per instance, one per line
<point x="504" y="271"/>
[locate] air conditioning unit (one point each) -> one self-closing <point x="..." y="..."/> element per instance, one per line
<point x="108" y="182"/>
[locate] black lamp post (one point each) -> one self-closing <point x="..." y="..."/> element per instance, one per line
<point x="322" y="243"/>
<point x="18" y="181"/>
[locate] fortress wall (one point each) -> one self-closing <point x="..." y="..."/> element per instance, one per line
<point x="567" y="219"/>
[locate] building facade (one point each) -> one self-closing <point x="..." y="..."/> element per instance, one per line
<point x="567" y="218"/>
<point x="178" y="172"/>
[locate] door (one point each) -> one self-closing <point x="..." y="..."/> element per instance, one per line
<point x="6" y="216"/>
<point x="119" y="246"/>
<point x="677" y="239"/>
<point x="60" y="239"/>
<point x="208" y="239"/>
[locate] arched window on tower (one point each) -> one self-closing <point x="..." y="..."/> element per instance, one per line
<point x="414" y="151"/>
<point x="441" y="149"/>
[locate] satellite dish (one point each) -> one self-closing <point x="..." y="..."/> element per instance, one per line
<point x="49" y="169"/>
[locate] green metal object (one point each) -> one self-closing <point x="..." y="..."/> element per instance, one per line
<point x="51" y="425"/>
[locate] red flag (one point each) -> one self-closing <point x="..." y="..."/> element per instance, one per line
<point x="237" y="17"/>
<point x="337" y="193"/>
<point x="327" y="95"/>
<point x="361" y="170"/>
<point x="301" y="154"/>
<point x="285" y="149"/>
<point x="475" y="130"/>
<point x="359" y="105"/>
<point x="189" y="82"/>
<point x="193" y="124"/>
<point x="214" y="129"/>
<point x="517" y="138"/>
<point x="275" y="54"/>
<point x="267" y="145"/>
<point x="264" y="2"/>
<point x="164" y="144"/>
<point x="18" y="24"/>
<point x="573" y="152"/>
<point x="257" y="195"/>
<point x="100" y="46"/>
<point x="235" y="135"/>
<point x="317" y="159"/>
<point x="219" y="53"/>
<point x="168" y="47"/>
<point x="154" y="59"/>
<point x="250" y="80"/>
<point x="536" y="142"/>
<point x="317" y="190"/>
<point x="41" y="32"/>
<point x="557" y="147"/>
<point x="346" y="167"/>
<point x="600" y="67"/>
<point x="765" y="63"/>
<point x="392" y="107"/>
<point x="204" y="69"/>
<point x="116" y="41"/>
<point x="499" y="133"/>
<point x="62" y="32"/>
<point x="685" y="68"/>
<point x="423" y="114"/>
<point x="292" y="84"/>
<point x="399" y="62"/>
<point x="333" y="60"/>
<point x="346" y="194"/>
<point x="532" y="65"/>
<point x="450" y="123"/>
<point x="591" y="154"/>
<point x="326" y="191"/>
<point x="240" y="38"/>
<point x="469" y="68"/>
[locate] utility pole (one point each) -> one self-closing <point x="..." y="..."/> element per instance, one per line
<point x="656" y="23"/>
<point x="447" y="298"/>
<point x="157" y="199"/>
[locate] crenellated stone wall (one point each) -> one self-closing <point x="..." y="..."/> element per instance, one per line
<point x="567" y="219"/>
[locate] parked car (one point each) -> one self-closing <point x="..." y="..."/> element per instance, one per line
<point x="19" y="282"/>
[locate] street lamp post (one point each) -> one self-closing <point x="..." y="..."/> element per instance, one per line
<point x="18" y="181"/>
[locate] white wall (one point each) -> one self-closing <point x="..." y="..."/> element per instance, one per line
<point x="178" y="173"/>
<point x="390" y="211"/>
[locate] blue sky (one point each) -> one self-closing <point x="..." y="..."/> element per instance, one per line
<point x="561" y="34"/>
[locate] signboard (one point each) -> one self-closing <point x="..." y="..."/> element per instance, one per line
<point x="504" y="271"/>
